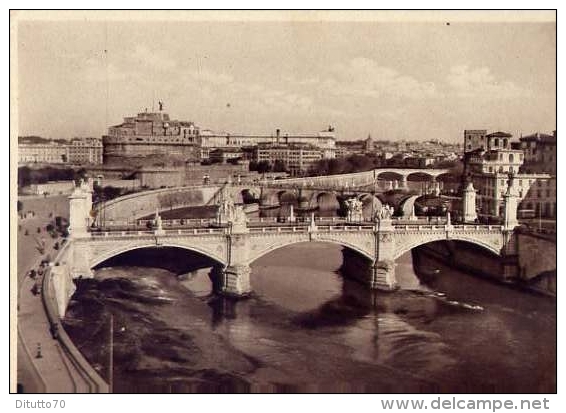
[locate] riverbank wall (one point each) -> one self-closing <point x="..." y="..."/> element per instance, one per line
<point x="535" y="262"/>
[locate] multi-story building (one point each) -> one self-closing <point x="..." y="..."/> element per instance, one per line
<point x="540" y="157"/>
<point x="85" y="151"/>
<point x="492" y="164"/>
<point x="209" y="141"/>
<point x="39" y="150"/>
<point x="297" y="157"/>
<point x="540" y="152"/>
<point x="79" y="151"/>
<point x="225" y="154"/>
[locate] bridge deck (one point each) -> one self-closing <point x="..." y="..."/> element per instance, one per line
<point x="298" y="227"/>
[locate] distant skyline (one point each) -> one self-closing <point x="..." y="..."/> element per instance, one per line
<point x="393" y="80"/>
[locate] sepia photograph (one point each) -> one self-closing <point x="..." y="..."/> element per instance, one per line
<point x="292" y="201"/>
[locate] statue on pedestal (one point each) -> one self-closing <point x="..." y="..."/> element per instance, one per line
<point x="354" y="206"/>
<point x="157" y="223"/>
<point x="225" y="211"/>
<point x="386" y="212"/>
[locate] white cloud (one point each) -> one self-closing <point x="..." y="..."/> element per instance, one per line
<point x="218" y="79"/>
<point x="480" y="82"/>
<point x="366" y="78"/>
<point x="153" y="59"/>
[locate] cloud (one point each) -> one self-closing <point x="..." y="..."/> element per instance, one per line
<point x="366" y="78"/>
<point x="153" y="59"/>
<point x="206" y="76"/>
<point x="480" y="82"/>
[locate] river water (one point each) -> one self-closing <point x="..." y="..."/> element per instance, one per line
<point x="307" y="329"/>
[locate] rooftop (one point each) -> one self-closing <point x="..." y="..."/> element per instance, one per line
<point x="499" y="134"/>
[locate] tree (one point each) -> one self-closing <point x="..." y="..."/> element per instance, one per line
<point x="279" y="166"/>
<point x="263" y="166"/>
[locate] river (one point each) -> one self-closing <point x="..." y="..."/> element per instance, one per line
<point x="307" y="329"/>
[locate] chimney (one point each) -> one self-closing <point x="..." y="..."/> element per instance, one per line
<point x="278" y="132"/>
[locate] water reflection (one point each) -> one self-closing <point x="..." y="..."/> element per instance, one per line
<point x="306" y="329"/>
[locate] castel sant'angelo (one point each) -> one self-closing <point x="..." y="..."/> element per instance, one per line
<point x="151" y="133"/>
<point x="155" y="134"/>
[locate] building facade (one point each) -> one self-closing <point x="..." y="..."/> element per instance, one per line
<point x="492" y="164"/>
<point x="43" y="152"/>
<point x="78" y="151"/>
<point x="297" y="158"/>
<point x="540" y="152"/>
<point x="325" y="141"/>
<point x="85" y="151"/>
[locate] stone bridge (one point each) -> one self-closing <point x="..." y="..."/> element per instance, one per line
<point x="308" y="192"/>
<point x="370" y="250"/>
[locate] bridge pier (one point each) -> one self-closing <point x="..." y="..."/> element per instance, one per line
<point x="236" y="281"/>
<point x="383" y="277"/>
<point x="377" y="275"/>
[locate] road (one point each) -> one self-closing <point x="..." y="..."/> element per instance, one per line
<point x="50" y="372"/>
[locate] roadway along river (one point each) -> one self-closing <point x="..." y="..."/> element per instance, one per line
<point x="306" y="329"/>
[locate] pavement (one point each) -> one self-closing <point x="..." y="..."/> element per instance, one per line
<point x="42" y="365"/>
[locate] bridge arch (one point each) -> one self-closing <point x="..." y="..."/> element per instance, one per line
<point x="407" y="205"/>
<point x="250" y="195"/>
<point x="324" y="200"/>
<point x="287" y="196"/>
<point x="489" y="245"/>
<point x="421" y="176"/>
<point x="106" y="255"/>
<point x="282" y="244"/>
<point x="371" y="204"/>
<point x="390" y="175"/>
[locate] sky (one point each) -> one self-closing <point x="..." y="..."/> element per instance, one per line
<point x="412" y="80"/>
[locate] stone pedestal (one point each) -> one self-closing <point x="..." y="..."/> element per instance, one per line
<point x="469" y="203"/>
<point x="510" y="210"/>
<point x="79" y="214"/>
<point x="292" y="217"/>
<point x="236" y="281"/>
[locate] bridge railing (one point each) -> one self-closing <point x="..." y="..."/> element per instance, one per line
<point x="188" y="231"/>
<point x="467" y="227"/>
